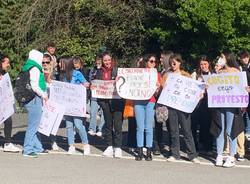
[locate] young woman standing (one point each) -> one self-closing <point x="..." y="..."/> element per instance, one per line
<point x="144" y="115"/>
<point x="71" y="75"/>
<point x="112" y="110"/>
<point x="177" y="118"/>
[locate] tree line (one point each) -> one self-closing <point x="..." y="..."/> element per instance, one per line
<point x="127" y="28"/>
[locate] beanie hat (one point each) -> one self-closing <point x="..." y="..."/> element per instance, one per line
<point x="36" y="56"/>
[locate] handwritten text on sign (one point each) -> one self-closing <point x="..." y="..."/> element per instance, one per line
<point x="104" y="89"/>
<point x="6" y="98"/>
<point x="71" y="96"/>
<point x="51" y="118"/>
<point x="227" y="90"/>
<point x="181" y="93"/>
<point x="136" y="83"/>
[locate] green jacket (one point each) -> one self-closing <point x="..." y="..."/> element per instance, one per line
<point x="30" y="63"/>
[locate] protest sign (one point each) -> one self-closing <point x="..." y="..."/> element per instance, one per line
<point x="6" y="98"/>
<point x="71" y="96"/>
<point x="181" y="93"/>
<point x="104" y="89"/>
<point x="136" y="83"/>
<point x="51" y="118"/>
<point x="227" y="90"/>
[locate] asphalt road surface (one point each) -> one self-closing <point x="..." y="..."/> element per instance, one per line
<point x="58" y="167"/>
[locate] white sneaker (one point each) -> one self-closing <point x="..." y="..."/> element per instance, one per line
<point x="72" y="150"/>
<point x="219" y="161"/>
<point x="118" y="153"/>
<point x="99" y="134"/>
<point x="86" y="149"/>
<point x="196" y="161"/>
<point x="230" y="162"/>
<point x="91" y="132"/>
<point x="109" y="152"/>
<point x="55" y="146"/>
<point x="172" y="159"/>
<point x="9" y="147"/>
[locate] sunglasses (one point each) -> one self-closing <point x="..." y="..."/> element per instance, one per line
<point x="46" y="62"/>
<point x="151" y="61"/>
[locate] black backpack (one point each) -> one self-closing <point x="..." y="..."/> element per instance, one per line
<point x="23" y="91"/>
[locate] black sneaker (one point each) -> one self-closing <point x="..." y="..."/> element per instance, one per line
<point x="241" y="158"/>
<point x="31" y="155"/>
<point x="156" y="152"/>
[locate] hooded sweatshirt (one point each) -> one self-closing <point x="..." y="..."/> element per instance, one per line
<point x="37" y="80"/>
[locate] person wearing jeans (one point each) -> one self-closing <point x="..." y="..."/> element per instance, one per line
<point x="70" y="74"/>
<point x="227" y="115"/>
<point x="94" y="107"/>
<point x="32" y="140"/>
<point x="32" y="143"/>
<point x="144" y="114"/>
<point x="72" y="121"/>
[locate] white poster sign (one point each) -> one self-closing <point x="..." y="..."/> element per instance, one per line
<point x="227" y="90"/>
<point x="181" y="93"/>
<point x="136" y="83"/>
<point x="6" y="98"/>
<point x="104" y="89"/>
<point x="51" y="118"/>
<point x="71" y="96"/>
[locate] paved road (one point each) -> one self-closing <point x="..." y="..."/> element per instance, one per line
<point x="58" y="167"/>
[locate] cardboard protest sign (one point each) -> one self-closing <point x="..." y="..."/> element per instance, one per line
<point x="71" y="96"/>
<point x="136" y="83"/>
<point x="104" y="89"/>
<point x="227" y="90"/>
<point x="181" y="93"/>
<point x="6" y="98"/>
<point x="51" y="118"/>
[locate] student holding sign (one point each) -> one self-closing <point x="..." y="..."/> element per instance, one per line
<point x="8" y="146"/>
<point x="202" y="114"/>
<point x="32" y="143"/>
<point x="144" y="114"/>
<point x="227" y="120"/>
<point x="177" y="117"/>
<point x="71" y="75"/>
<point x="112" y="110"/>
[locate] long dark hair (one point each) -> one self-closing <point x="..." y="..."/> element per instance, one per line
<point x="176" y="57"/>
<point x="203" y="58"/>
<point x="146" y="59"/>
<point x="2" y="57"/>
<point x="231" y="60"/>
<point x="66" y="68"/>
<point x="165" y="62"/>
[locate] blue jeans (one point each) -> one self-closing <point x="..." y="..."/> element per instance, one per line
<point x="144" y="114"/>
<point x="80" y="128"/>
<point x="227" y="117"/>
<point x="93" y="112"/>
<point x="32" y="140"/>
<point x="247" y="122"/>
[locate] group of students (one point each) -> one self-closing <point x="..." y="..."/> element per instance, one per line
<point x="218" y="124"/>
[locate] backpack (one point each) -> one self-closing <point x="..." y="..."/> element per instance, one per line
<point x="23" y="91"/>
